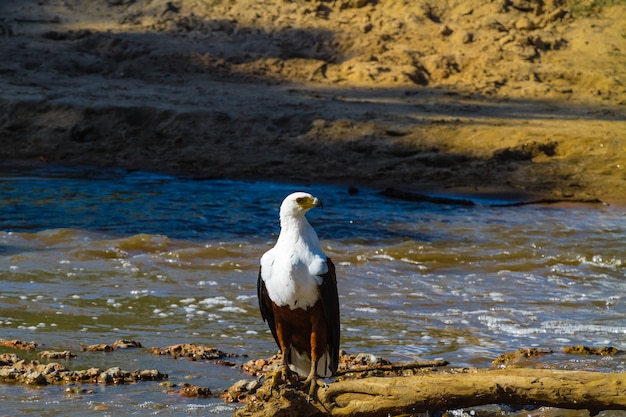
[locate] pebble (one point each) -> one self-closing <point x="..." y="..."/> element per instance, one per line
<point x="445" y="31"/>
<point x="524" y="23"/>
<point x="47" y="354"/>
<point x="15" y="369"/>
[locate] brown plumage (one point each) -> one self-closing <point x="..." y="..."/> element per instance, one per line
<point x="297" y="291"/>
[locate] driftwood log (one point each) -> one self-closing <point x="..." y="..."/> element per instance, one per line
<point x="446" y="390"/>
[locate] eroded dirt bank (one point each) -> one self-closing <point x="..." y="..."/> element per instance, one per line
<point x="521" y="96"/>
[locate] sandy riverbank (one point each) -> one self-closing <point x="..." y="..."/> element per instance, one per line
<point x="517" y="96"/>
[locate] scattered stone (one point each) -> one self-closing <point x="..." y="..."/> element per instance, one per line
<point x="8" y="358"/>
<point x="168" y="384"/>
<point x="19" y="344"/>
<point x="524" y="23"/>
<point x="224" y="363"/>
<point x="34" y="378"/>
<point x="355" y="4"/>
<point x="360" y="361"/>
<point x="112" y="376"/>
<point x="105" y="347"/>
<point x="21" y="371"/>
<point x="556" y="14"/>
<point x="445" y="31"/>
<point x="102" y="347"/>
<point x="240" y="390"/>
<point x="190" y="390"/>
<point x="48" y="354"/>
<point x="193" y="352"/>
<point x="258" y="367"/>
<point x="148" y="375"/>
<point x="78" y="390"/>
<point x="468" y="37"/>
<point x="586" y="350"/>
<point x="126" y="344"/>
<point x="512" y="358"/>
<point x="524" y="5"/>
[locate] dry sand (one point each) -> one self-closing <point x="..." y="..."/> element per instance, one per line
<point x="458" y="96"/>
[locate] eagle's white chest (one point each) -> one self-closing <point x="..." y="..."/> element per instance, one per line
<point x="291" y="270"/>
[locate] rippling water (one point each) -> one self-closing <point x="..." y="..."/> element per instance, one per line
<point x="95" y="256"/>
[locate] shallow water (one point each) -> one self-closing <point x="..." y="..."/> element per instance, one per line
<point x="91" y="257"/>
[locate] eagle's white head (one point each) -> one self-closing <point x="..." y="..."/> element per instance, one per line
<point x="296" y="205"/>
<point x="291" y="269"/>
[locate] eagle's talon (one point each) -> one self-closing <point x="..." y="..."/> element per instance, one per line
<point x="313" y="383"/>
<point x="285" y="376"/>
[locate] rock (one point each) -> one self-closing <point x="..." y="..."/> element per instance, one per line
<point x="468" y="37"/>
<point x="193" y="352"/>
<point x="355" y="4"/>
<point x="53" y="368"/>
<point x="149" y="375"/>
<point x="9" y="373"/>
<point x="240" y="390"/>
<point x="370" y="360"/>
<point x="126" y="344"/>
<point x="586" y="350"/>
<point x="78" y="390"/>
<point x="520" y="355"/>
<point x="445" y="31"/>
<point x="524" y="23"/>
<point x="190" y="390"/>
<point x="506" y="39"/>
<point x="18" y="344"/>
<point x="8" y="358"/>
<point x="34" y="378"/>
<point x="47" y="354"/>
<point x="556" y="14"/>
<point x="102" y="347"/>
<point x="524" y="5"/>
<point x="111" y="376"/>
<point x="90" y="374"/>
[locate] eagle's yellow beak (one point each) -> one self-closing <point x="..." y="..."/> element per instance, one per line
<point x="308" y="203"/>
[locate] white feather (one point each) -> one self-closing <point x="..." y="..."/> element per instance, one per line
<point x="292" y="267"/>
<point x="301" y="363"/>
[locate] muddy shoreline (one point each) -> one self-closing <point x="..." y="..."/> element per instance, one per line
<point x="461" y="99"/>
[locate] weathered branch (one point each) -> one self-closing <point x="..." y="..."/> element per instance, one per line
<point x="392" y="367"/>
<point x="453" y="389"/>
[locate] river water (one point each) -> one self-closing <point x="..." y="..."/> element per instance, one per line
<point x="92" y="256"/>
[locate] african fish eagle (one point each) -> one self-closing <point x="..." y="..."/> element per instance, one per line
<point x="297" y="290"/>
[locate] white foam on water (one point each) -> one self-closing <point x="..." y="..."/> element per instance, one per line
<point x="367" y="309"/>
<point x="560" y="327"/>
<point x="496" y="296"/>
<point x="190" y="309"/>
<point x="215" y="301"/>
<point x="245" y="297"/>
<point x="139" y="293"/>
<point x="206" y="283"/>
<point x="600" y="262"/>
<point x="231" y="309"/>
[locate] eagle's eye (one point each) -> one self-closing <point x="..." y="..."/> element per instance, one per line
<point x="300" y="200"/>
